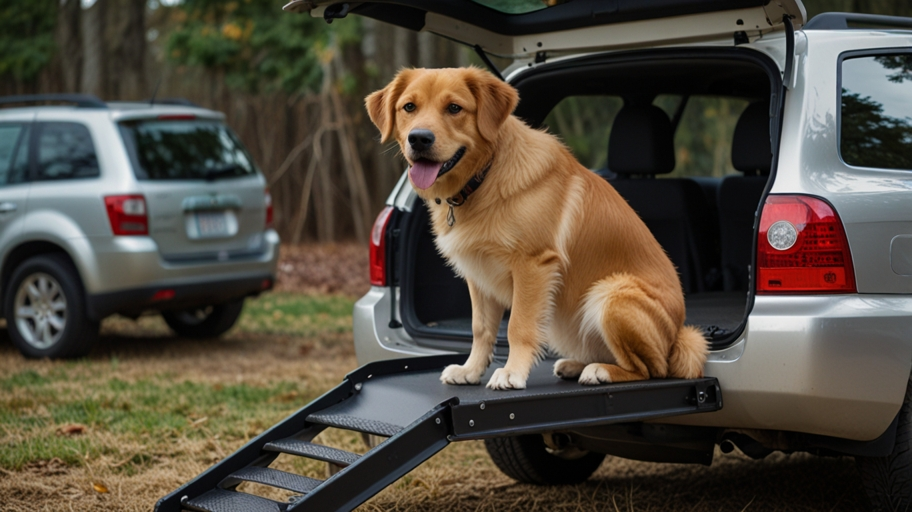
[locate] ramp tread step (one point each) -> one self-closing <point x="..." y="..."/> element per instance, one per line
<point x="355" y="423"/>
<point x="220" y="500"/>
<point x="276" y="478"/>
<point x="313" y="451"/>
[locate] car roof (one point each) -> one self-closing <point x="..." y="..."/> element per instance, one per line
<point x="116" y="110"/>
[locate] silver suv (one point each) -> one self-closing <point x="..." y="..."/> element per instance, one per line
<point x="784" y="204"/>
<point x="121" y="208"/>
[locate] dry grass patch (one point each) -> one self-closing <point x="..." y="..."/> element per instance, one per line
<point x="149" y="411"/>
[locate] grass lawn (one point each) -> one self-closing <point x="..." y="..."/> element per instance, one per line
<point x="147" y="411"/>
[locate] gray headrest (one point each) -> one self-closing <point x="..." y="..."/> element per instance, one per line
<point x="751" y="151"/>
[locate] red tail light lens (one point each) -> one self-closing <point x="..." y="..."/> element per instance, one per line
<point x="378" y="248"/>
<point x="802" y="248"/>
<point x="269" y="210"/>
<point x="127" y="214"/>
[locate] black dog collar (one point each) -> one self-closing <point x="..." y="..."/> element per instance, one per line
<point x="460" y="198"/>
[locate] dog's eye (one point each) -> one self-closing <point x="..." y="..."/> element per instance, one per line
<point x="453" y="108"/>
<point x="409" y="107"/>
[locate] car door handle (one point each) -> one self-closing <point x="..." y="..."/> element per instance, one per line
<point x="8" y="207"/>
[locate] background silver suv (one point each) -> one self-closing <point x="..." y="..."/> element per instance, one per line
<point x="125" y="207"/>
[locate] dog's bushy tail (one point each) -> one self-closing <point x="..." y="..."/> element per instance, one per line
<point x="688" y="354"/>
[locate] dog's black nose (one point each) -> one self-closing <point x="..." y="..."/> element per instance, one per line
<point x="421" y="139"/>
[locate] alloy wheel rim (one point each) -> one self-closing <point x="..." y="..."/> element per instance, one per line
<point x="41" y="310"/>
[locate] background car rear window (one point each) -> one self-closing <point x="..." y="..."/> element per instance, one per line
<point x="13" y="153"/>
<point x="876" y="118"/>
<point x="65" y="151"/>
<point x="185" y="150"/>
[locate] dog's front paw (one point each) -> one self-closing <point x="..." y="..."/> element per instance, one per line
<point x="504" y="379"/>
<point x="568" y="368"/>
<point x="460" y="374"/>
<point x="595" y="374"/>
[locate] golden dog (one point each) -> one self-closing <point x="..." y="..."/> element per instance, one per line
<point x="541" y="234"/>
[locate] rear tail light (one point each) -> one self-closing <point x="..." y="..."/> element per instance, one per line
<point x="127" y="214"/>
<point x="378" y="248"/>
<point x="269" y="210"/>
<point x="166" y="294"/>
<point x="802" y="248"/>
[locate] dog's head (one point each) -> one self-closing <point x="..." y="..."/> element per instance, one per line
<point x="446" y="122"/>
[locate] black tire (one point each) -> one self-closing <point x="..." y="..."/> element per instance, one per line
<point x="57" y="326"/>
<point x="888" y="480"/>
<point x="204" y="321"/>
<point x="527" y="460"/>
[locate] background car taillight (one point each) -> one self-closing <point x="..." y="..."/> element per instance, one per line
<point x="127" y="214"/>
<point x="269" y="210"/>
<point x="802" y="248"/>
<point x="378" y="248"/>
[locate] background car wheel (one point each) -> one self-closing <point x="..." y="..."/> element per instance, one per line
<point x="44" y="306"/>
<point x="888" y="480"/>
<point x="527" y="459"/>
<point x="206" y="321"/>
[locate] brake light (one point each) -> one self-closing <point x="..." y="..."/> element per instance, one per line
<point x="378" y="248"/>
<point x="127" y="214"/>
<point x="176" y="117"/>
<point x="269" y="210"/>
<point x="802" y="248"/>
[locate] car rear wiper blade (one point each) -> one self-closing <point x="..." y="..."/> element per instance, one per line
<point x="227" y="171"/>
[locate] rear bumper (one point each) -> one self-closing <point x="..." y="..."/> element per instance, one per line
<point x="114" y="264"/>
<point x="182" y="296"/>
<point x="829" y="365"/>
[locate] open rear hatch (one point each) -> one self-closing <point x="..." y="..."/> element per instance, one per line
<point x="525" y="28"/>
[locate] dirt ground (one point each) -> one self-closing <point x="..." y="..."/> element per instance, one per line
<point x="460" y="478"/>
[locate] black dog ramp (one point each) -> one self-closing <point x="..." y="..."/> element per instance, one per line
<point x="404" y="401"/>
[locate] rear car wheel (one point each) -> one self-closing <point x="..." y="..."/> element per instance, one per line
<point x="205" y="321"/>
<point x="44" y="308"/>
<point x="888" y="480"/>
<point x="528" y="459"/>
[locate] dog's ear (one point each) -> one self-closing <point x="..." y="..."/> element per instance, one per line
<point x="495" y="99"/>
<point x="381" y="105"/>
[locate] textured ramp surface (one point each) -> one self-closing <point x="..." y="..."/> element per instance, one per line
<point x="313" y="451"/>
<point x="220" y="500"/>
<point x="276" y="478"/>
<point x="339" y="419"/>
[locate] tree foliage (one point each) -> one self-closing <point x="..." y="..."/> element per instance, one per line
<point x="255" y="44"/>
<point x="902" y="63"/>
<point x="26" y="37"/>
<point x="872" y="139"/>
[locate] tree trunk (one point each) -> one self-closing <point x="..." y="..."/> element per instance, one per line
<point x="69" y="44"/>
<point x="126" y="38"/>
<point x="94" y="68"/>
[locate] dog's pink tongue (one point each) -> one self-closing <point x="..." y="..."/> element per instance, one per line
<point x="424" y="173"/>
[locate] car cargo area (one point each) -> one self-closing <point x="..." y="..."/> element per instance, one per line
<point x="683" y="136"/>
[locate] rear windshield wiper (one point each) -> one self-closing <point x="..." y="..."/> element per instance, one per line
<point x="227" y="171"/>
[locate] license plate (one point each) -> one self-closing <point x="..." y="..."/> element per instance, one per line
<point x="212" y="224"/>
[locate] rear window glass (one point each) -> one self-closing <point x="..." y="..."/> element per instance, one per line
<point x="876" y="114"/>
<point x="185" y="150"/>
<point x="13" y="153"/>
<point x="66" y="151"/>
<point x="702" y="140"/>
